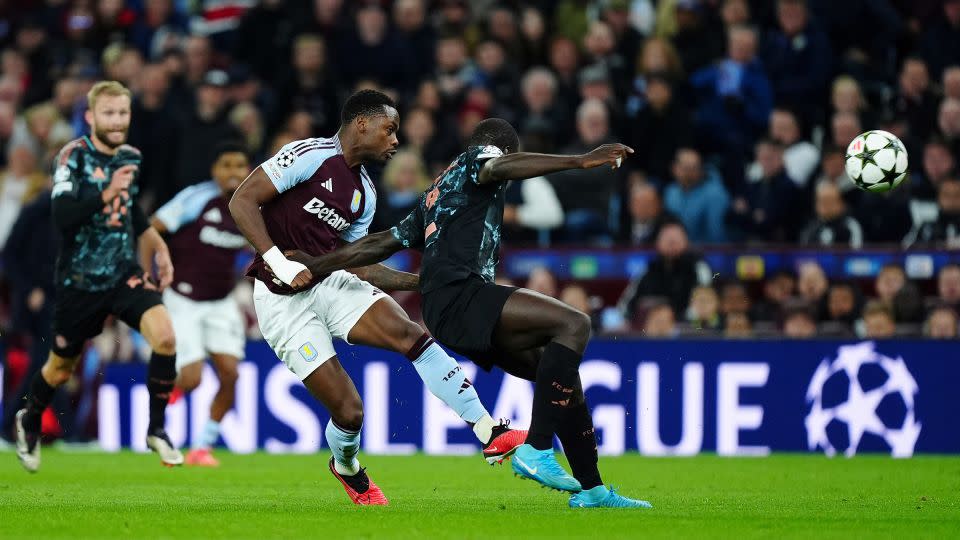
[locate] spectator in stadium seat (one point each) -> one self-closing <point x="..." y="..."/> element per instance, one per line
<point x="799" y="322"/>
<point x="915" y="100"/>
<point x="20" y="182"/>
<point x="941" y="323"/>
<point x="885" y="217"/>
<point x="423" y="136"/>
<point x="248" y="121"/>
<point x="878" y="321"/>
<point x="797" y="57"/>
<point x="498" y="75"/>
<point x="734" y="95"/>
<point x="843" y="304"/>
<point x="616" y="13"/>
<point x="542" y="281"/>
<point x="734" y="298"/>
<point x="8" y="118"/>
<point x="800" y="157"/>
<point x="660" y="321"/>
<point x="595" y="83"/>
<point x="737" y="325"/>
<point x="948" y="124"/>
<point x="404" y="179"/>
<point x="659" y="128"/>
<point x="153" y="128"/>
<point x="531" y="208"/>
<point x="896" y="291"/>
<point x="703" y="313"/>
<point x="208" y="121"/>
<point x="647" y="215"/>
<point x="846" y="96"/>
<point x="697" y="39"/>
<point x="944" y="231"/>
<point x="672" y="274"/>
<point x="951" y="82"/>
<point x="844" y="127"/>
<point x="767" y="211"/>
<point x="410" y="20"/>
<point x="541" y="103"/>
<point x="372" y="50"/>
<point x="698" y="197"/>
<point x="198" y="58"/>
<point x="455" y="70"/>
<point x="589" y="198"/>
<point x="533" y="29"/>
<point x="268" y="22"/>
<point x="600" y="48"/>
<point x="777" y="290"/>
<point x="948" y="285"/>
<point x="833" y="171"/>
<point x="565" y="64"/>
<point x="812" y="286"/>
<point x="310" y="85"/>
<point x="42" y="129"/>
<point x="940" y="43"/>
<point x="938" y="165"/>
<point x="503" y="27"/>
<point x="832" y="226"/>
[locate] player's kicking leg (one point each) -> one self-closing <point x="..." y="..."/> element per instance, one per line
<point x="386" y="326"/>
<point x="201" y="454"/>
<point x="55" y="372"/>
<point x="576" y="434"/>
<point x="157" y="329"/>
<point x="331" y="385"/>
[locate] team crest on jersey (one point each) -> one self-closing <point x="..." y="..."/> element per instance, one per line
<point x="355" y="202"/>
<point x="286" y="158"/>
<point x="308" y="352"/>
<point x="62" y="174"/>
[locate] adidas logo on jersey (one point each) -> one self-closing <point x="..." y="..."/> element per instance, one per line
<point x="328" y="184"/>
<point x="325" y="214"/>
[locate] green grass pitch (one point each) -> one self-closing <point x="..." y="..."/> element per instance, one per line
<point x="92" y="495"/>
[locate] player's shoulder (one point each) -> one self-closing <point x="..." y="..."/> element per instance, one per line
<point x="73" y="148"/>
<point x="204" y="190"/>
<point x="314" y="149"/>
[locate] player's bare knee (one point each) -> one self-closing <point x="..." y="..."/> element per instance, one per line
<point x="228" y="375"/>
<point x="576" y="327"/>
<point x="165" y="342"/>
<point x="349" y="416"/>
<point x="188" y="380"/>
<point x="58" y="375"/>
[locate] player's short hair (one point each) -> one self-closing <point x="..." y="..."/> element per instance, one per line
<point x="365" y="103"/>
<point x="495" y="132"/>
<point x="230" y="147"/>
<point x="105" y="88"/>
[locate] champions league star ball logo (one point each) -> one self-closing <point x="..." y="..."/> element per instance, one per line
<point x="285" y="160"/>
<point x="862" y="400"/>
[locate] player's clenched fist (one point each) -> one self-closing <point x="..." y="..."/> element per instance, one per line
<point x="607" y="154"/>
<point x="120" y="181"/>
<point x="290" y="272"/>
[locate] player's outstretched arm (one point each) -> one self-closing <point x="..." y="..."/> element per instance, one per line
<point x="245" y="204"/>
<point x="370" y="249"/>
<point x="523" y="165"/>
<point x="383" y="277"/>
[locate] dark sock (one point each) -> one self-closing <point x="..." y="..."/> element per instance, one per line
<point x="557" y="377"/>
<point x="160" y="376"/>
<point x="37" y="401"/>
<point x="580" y="442"/>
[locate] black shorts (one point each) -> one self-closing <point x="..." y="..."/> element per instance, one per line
<point x="79" y="315"/>
<point x="463" y="315"/>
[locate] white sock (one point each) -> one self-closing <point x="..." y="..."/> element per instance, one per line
<point x="483" y="429"/>
<point x="209" y="435"/>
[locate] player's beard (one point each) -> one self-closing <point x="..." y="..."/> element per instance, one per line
<point x="103" y="135"/>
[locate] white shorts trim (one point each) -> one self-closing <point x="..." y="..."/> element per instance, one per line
<point x="300" y="328"/>
<point x="205" y="327"/>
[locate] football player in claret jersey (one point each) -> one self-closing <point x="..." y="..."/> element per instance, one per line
<point x="457" y="227"/>
<point x="315" y="195"/>
<point x="98" y="273"/>
<point x="204" y="242"/>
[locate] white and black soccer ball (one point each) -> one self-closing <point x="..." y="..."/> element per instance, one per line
<point x="876" y="161"/>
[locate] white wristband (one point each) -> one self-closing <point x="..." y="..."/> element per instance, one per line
<point x="274" y="257"/>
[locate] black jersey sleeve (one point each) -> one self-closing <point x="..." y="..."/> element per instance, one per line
<point x="69" y="208"/>
<point x="410" y="231"/>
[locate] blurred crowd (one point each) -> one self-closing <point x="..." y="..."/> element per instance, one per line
<point x="739" y="111"/>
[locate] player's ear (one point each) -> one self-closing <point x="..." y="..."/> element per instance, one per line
<point x="361" y="124"/>
<point x="88" y="116"/>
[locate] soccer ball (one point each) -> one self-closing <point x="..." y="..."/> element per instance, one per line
<point x="876" y="161"/>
